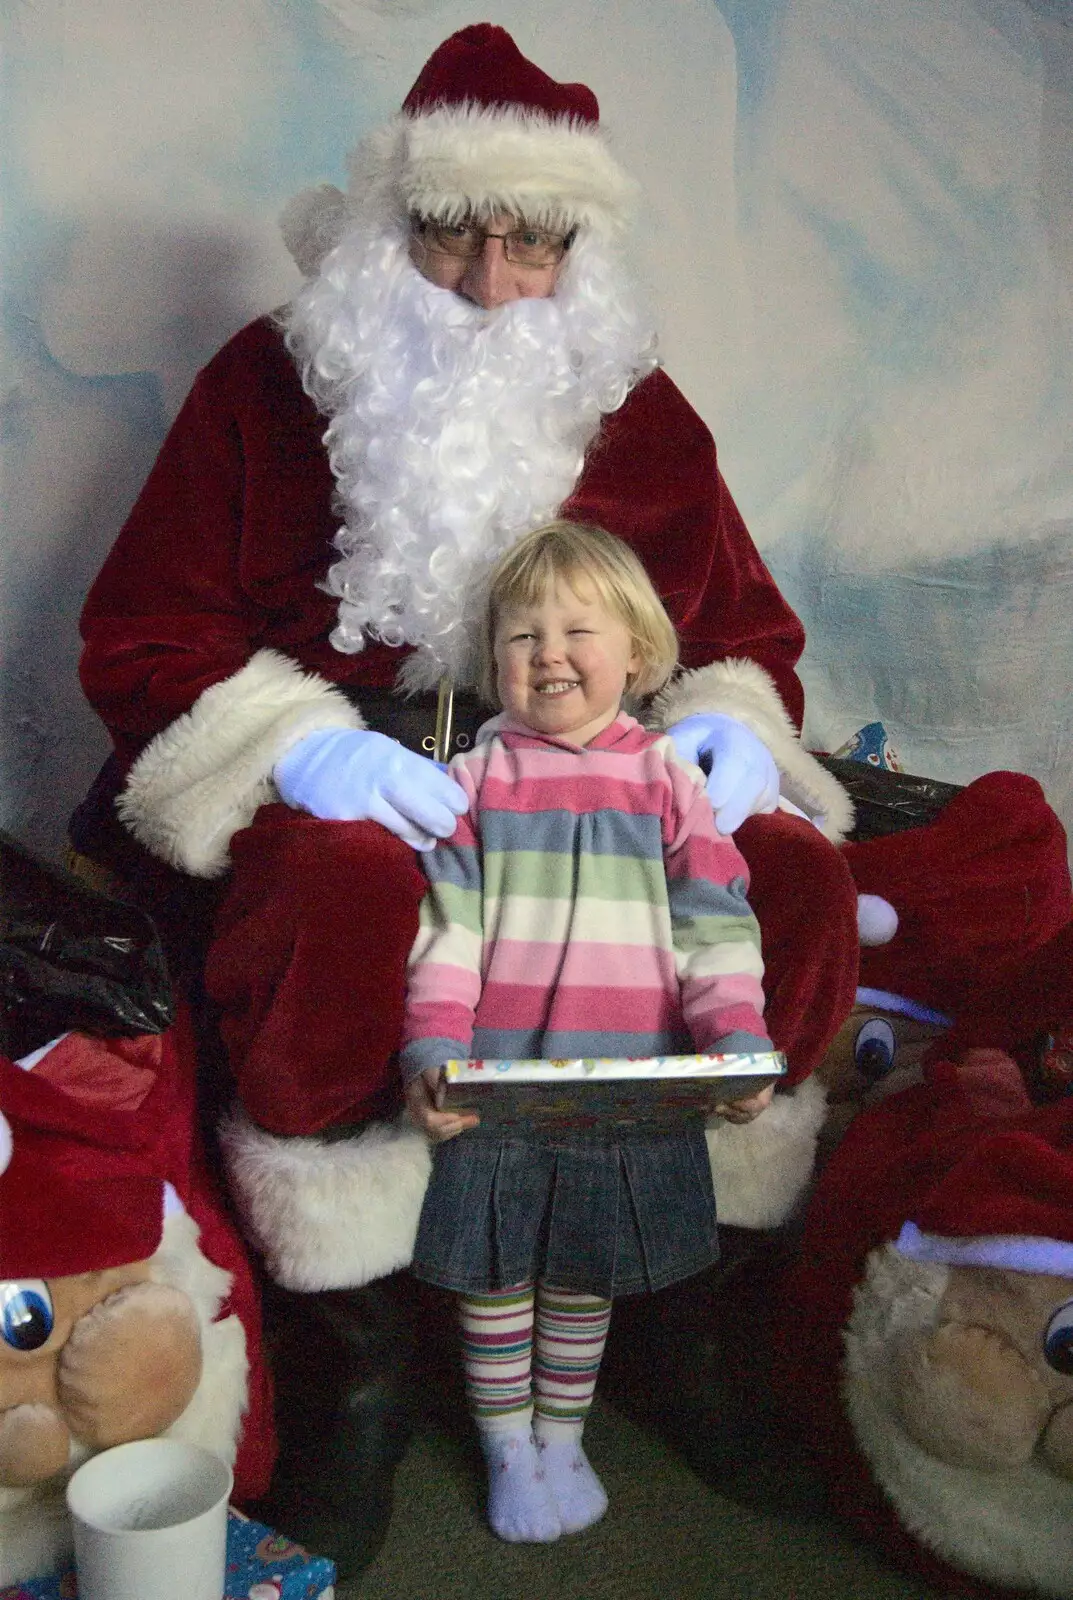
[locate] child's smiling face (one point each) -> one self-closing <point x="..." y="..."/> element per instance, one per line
<point x="562" y="663"/>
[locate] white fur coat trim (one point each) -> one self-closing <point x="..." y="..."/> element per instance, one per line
<point x="328" y="1215"/>
<point x="742" y="689"/>
<point x="1008" y="1528"/>
<point x="204" y="776"/>
<point x="335" y="1215"/>
<point x="762" y="1170"/>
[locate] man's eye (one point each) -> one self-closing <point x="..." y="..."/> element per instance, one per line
<point x="456" y="230"/>
<point x="531" y="237"/>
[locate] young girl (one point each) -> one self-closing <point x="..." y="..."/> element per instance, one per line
<point x="585" y="906"/>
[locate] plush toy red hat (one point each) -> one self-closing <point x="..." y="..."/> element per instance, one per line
<point x="482" y="130"/>
<point x="975" y="892"/>
<point x="84" y="1187"/>
<point x="1008" y="1204"/>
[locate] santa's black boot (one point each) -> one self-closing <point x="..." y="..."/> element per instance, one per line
<point x="343" y="1365"/>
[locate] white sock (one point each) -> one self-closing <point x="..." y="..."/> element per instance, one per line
<point x="521" y="1507"/>
<point x="576" y="1490"/>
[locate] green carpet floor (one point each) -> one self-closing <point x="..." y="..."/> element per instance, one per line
<point x="710" y="1495"/>
<point x="667" y="1535"/>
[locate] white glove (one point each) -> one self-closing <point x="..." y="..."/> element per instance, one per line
<point x="742" y="776"/>
<point x="354" y="775"/>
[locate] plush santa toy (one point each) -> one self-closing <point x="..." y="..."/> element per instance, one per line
<point x="950" y="914"/>
<point x="925" y="1340"/>
<point x="127" y="1304"/>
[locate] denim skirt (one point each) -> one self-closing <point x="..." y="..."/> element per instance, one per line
<point x="606" y="1214"/>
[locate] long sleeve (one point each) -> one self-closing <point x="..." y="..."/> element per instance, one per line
<point x="444" y="969"/>
<point x="715" y="936"/>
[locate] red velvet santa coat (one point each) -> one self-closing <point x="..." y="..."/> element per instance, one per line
<point x="207" y="655"/>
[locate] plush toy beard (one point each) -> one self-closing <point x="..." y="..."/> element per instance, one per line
<point x="453" y="430"/>
<point x="1008" y="1526"/>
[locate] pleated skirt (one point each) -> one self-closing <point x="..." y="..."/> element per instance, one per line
<point x="607" y="1214"/>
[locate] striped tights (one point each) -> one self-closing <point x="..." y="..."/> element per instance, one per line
<point x="529" y="1398"/>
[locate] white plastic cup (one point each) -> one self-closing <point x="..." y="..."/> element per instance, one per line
<point x="150" y="1522"/>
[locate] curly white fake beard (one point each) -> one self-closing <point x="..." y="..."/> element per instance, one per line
<point x="453" y="430"/>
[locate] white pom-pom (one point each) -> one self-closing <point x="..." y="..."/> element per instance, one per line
<point x="312" y="223"/>
<point x="877" y="920"/>
<point x="5" y="1143"/>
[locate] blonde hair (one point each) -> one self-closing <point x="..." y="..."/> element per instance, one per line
<point x="569" y="550"/>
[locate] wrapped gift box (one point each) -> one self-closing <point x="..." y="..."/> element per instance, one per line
<point x="587" y="1093"/>
<point x="261" y="1565"/>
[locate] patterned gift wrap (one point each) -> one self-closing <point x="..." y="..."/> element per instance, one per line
<point x="589" y="1093"/>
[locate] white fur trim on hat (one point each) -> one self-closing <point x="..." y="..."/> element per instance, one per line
<point x="460" y="158"/>
<point x="877" y="920"/>
<point x="762" y="1170"/>
<point x="456" y="159"/>
<point x="328" y="1214"/>
<point x="206" y="774"/>
<point x="1010" y="1252"/>
<point x="742" y="689"/>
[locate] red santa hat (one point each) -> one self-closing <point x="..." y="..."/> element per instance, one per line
<point x="1008" y="1204"/>
<point x="482" y="130"/>
<point x="83" y="1187"/>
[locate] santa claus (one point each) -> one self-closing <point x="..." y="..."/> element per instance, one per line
<point x="468" y="358"/>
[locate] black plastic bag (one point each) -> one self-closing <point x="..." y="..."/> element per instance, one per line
<point x="889" y="802"/>
<point x="71" y="958"/>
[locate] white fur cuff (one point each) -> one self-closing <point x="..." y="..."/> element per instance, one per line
<point x="328" y="1215"/>
<point x="742" y="689"/>
<point x="204" y="776"/>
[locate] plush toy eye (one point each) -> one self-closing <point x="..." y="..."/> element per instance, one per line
<point x="26" y="1317"/>
<point x="873" y="1050"/>
<point x="1058" y="1340"/>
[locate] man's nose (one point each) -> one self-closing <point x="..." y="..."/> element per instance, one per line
<point x="489" y="281"/>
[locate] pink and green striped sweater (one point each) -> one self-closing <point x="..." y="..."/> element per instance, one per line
<point x="584" y="906"/>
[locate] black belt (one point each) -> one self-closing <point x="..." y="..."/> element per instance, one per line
<point x="412" y="720"/>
